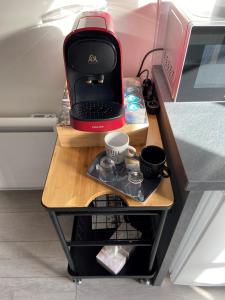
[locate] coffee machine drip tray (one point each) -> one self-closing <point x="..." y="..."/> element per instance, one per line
<point x="96" y="110"/>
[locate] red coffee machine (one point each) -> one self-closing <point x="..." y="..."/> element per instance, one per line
<point x="92" y="56"/>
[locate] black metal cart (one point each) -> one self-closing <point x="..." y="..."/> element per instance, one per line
<point x="92" y="228"/>
<point x="97" y="214"/>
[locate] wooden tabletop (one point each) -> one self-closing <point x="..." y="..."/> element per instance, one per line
<point x="68" y="186"/>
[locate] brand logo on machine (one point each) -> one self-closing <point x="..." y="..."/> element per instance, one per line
<point x="92" y="59"/>
<point x="97" y="126"/>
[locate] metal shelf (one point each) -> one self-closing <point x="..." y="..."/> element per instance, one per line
<point x="93" y="228"/>
<point x="96" y="230"/>
<point x="87" y="266"/>
<point x="92" y="232"/>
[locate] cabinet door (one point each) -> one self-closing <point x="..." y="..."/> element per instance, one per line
<point x="200" y="259"/>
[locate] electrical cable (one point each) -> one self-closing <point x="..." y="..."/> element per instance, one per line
<point x="145" y="70"/>
<point x="148" y="90"/>
<point x="144" y="58"/>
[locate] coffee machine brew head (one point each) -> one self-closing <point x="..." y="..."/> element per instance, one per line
<point x="92" y="56"/>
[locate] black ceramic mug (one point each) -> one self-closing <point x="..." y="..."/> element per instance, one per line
<point x="152" y="162"/>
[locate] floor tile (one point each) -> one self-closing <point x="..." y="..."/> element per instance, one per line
<point x="32" y="259"/>
<point x="59" y="288"/>
<point x="17" y="250"/>
<point x="128" y="289"/>
<point x="30" y="226"/>
<point x="120" y="289"/>
<point x="20" y="201"/>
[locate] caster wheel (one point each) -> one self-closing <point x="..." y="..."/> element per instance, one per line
<point x="77" y="281"/>
<point x="147" y="282"/>
<point x="144" y="281"/>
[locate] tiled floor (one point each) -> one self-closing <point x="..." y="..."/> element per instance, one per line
<point x="33" y="267"/>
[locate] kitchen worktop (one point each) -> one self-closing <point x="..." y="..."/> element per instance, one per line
<point x="199" y="133"/>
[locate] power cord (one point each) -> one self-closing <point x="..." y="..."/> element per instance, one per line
<point x="148" y="89"/>
<point x="144" y="58"/>
<point x="145" y="70"/>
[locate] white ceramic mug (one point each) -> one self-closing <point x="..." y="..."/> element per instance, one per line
<point x="117" y="146"/>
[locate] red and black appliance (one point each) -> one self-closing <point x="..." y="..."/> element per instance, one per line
<point x="92" y="56"/>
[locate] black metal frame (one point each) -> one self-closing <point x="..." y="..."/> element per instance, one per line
<point x="125" y="210"/>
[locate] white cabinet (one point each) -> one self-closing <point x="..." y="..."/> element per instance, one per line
<point x="200" y="258"/>
<point x="26" y="147"/>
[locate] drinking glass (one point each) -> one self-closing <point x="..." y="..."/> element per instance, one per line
<point x="135" y="179"/>
<point x="106" y="169"/>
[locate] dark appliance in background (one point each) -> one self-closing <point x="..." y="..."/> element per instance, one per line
<point x="193" y="59"/>
<point x="92" y="56"/>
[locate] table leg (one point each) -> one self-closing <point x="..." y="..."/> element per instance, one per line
<point x="157" y="239"/>
<point x="62" y="239"/>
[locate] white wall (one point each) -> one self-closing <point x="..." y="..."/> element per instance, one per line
<point x="31" y="73"/>
<point x="17" y="15"/>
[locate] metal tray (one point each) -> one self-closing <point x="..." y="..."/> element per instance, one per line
<point x="147" y="188"/>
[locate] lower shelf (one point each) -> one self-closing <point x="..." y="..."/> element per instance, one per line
<point x="87" y="266"/>
<point x="91" y="232"/>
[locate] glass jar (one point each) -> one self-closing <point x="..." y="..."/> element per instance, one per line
<point x="64" y="117"/>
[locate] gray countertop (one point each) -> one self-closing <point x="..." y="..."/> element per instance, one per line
<point x="199" y="132"/>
